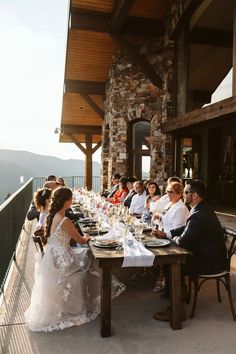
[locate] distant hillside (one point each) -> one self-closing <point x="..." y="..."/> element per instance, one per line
<point x="14" y="164"/>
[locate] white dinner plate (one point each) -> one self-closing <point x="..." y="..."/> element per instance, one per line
<point x="157" y="243"/>
<point x="105" y="244"/>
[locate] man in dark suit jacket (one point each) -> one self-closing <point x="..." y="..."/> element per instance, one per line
<point x="130" y="186"/>
<point x="202" y="235"/>
<point x="115" y="186"/>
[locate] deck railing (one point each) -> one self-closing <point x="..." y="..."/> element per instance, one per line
<point x="12" y="217"/>
<point x="72" y="182"/>
<point x="13" y="213"/>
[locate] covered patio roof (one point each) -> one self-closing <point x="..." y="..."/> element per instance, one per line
<point x="97" y="29"/>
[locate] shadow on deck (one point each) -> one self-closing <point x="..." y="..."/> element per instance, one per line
<point x="134" y="329"/>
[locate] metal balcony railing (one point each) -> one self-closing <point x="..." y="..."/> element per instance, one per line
<point x="13" y="213"/>
<point x="12" y="217"/>
<point x="72" y="182"/>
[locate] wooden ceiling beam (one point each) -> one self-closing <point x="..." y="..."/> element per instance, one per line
<point x="96" y="147"/>
<point x="212" y="37"/>
<point x="129" y="50"/>
<point x="120" y="13"/>
<point x="101" y="22"/>
<point x="185" y="18"/>
<point x="84" y="87"/>
<point x="93" y="105"/>
<point x="224" y="108"/>
<point x="81" y="129"/>
<point x="77" y="143"/>
<point x="90" y="20"/>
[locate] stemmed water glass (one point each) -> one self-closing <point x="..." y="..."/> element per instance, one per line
<point x="138" y="230"/>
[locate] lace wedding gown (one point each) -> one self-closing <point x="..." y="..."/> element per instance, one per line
<point x="67" y="286"/>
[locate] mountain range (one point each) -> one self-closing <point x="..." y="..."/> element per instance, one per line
<point x="14" y="164"/>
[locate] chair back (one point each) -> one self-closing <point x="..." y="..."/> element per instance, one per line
<point x="230" y="242"/>
<point x="39" y="240"/>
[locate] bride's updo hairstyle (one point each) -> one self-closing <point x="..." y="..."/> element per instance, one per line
<point x="59" y="197"/>
<point x="40" y="198"/>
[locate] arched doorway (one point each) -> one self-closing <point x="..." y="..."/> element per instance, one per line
<point x="139" y="149"/>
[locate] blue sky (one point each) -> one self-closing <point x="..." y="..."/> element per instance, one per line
<point x="33" y="46"/>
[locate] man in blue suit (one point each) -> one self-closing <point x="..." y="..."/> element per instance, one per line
<point x="202" y="235"/>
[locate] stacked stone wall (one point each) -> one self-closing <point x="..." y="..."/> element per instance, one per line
<point x="130" y="96"/>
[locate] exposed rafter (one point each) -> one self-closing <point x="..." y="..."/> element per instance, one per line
<point x="81" y="129"/>
<point x="224" y="108"/>
<point x="78" y="144"/>
<point x="93" y="105"/>
<point x="185" y="17"/>
<point x="101" y="22"/>
<point x="96" y="147"/>
<point x="129" y="50"/>
<point x="212" y="37"/>
<point x="84" y="87"/>
<point x="89" y="20"/>
<point x="120" y="13"/>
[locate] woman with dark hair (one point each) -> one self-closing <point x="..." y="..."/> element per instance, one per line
<point x="66" y="291"/>
<point x="153" y="194"/>
<point x="121" y="193"/>
<point x="61" y="181"/>
<point x="42" y="200"/>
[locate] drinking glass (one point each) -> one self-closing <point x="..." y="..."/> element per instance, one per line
<point x="138" y="230"/>
<point x="154" y="224"/>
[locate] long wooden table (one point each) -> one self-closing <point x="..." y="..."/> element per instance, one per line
<point x="172" y="255"/>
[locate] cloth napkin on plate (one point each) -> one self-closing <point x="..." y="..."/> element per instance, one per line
<point x="136" y="255"/>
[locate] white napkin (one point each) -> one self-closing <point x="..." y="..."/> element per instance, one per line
<point x="136" y="255"/>
<point x="115" y="232"/>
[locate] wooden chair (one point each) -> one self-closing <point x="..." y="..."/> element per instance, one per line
<point x="223" y="277"/>
<point x="39" y="240"/>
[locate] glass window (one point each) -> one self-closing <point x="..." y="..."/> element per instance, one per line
<point x="141" y="130"/>
<point x="140" y="154"/>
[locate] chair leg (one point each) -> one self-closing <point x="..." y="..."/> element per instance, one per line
<point x="189" y="290"/>
<point x="195" y="282"/>
<point x="218" y="289"/>
<point x="227" y="279"/>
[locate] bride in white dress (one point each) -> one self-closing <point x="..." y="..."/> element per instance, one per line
<point x="66" y="291"/>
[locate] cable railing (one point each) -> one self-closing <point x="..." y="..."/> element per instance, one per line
<point x="12" y="217"/>
<point x="71" y="181"/>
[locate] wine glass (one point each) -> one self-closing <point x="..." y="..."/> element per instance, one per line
<point x="154" y="224"/>
<point x="138" y="230"/>
<point x="99" y="224"/>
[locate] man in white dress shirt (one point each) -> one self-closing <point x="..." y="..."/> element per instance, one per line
<point x="138" y="200"/>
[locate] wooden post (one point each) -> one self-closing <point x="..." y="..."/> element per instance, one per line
<point x="88" y="168"/>
<point x="175" y="291"/>
<point x="106" y="302"/>
<point x="234" y="53"/>
<point x="182" y="52"/>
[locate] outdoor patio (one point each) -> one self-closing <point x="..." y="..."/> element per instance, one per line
<point x="133" y="328"/>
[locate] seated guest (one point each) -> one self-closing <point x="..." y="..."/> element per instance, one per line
<point x="33" y="213"/>
<point x="61" y="182"/>
<point x="42" y="199"/>
<point x="202" y="235"/>
<point x="130" y="186"/>
<point x="121" y="193"/>
<point x="51" y="178"/>
<point x="153" y="194"/>
<point x="164" y="201"/>
<point x="114" y="188"/>
<point x="138" y="200"/>
<point x="50" y="183"/>
<point x="175" y="215"/>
